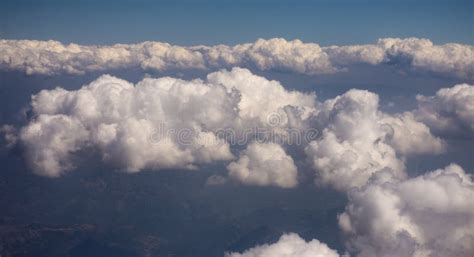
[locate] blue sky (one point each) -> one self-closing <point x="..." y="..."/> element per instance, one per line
<point x="231" y="22"/>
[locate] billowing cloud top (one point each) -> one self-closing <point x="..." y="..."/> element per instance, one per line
<point x="358" y="140"/>
<point x="289" y="245"/>
<point x="50" y="57"/>
<point x="264" y="164"/>
<point x="430" y="215"/>
<point x="158" y="123"/>
<point x="450" y="111"/>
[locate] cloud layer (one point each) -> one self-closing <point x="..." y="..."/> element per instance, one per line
<point x="52" y="57"/>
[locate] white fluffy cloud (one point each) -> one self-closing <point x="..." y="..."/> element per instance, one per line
<point x="358" y="140"/>
<point x="426" y="216"/>
<point x="49" y="57"/>
<point x="422" y="54"/>
<point x="262" y="99"/>
<point x="264" y="164"/>
<point x="418" y="54"/>
<point x="449" y="111"/>
<point x="289" y="245"/>
<point x="127" y="124"/>
<point x="409" y="136"/>
<point x="158" y="123"/>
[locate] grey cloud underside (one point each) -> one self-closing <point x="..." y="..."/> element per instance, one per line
<point x="52" y="57"/>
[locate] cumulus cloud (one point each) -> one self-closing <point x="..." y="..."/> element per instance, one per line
<point x="50" y="140"/>
<point x="450" y="111"/>
<point x="289" y="245"/>
<point x="155" y="124"/>
<point x="410" y="53"/>
<point x="358" y="140"/>
<point x="127" y="124"/>
<point x="430" y="215"/>
<point x="276" y="53"/>
<point x="422" y="54"/>
<point x="264" y="164"/>
<point x="50" y="57"/>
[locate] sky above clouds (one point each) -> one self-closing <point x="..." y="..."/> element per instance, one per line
<point x="237" y="129"/>
<point x="211" y="22"/>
